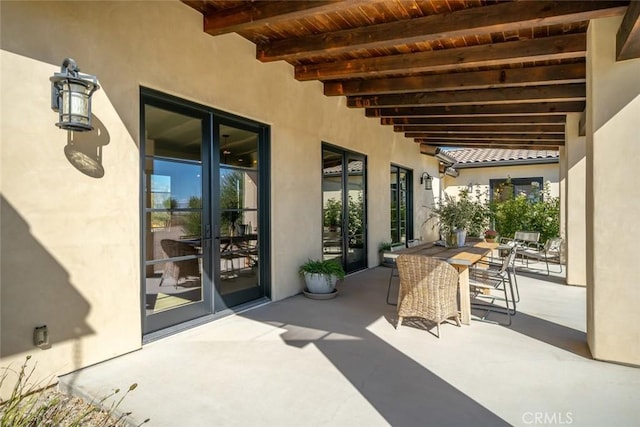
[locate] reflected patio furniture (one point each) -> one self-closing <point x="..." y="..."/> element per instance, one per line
<point x="491" y="285"/>
<point x="238" y="252"/>
<point x="389" y="260"/>
<point x="428" y="290"/>
<point x="549" y="252"/>
<point x="187" y="268"/>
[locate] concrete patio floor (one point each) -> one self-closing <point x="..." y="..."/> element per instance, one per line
<point x="340" y="362"/>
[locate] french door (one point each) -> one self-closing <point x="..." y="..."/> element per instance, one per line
<point x="205" y="195"/>
<point x="344" y="207"/>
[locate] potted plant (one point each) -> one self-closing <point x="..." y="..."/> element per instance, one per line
<point x="453" y="217"/>
<point x="321" y="276"/>
<point x="490" y="235"/>
<point x="382" y="248"/>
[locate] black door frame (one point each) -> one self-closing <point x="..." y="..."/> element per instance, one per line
<point x="212" y="301"/>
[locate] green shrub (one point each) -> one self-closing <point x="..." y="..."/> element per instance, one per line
<point x="537" y="212"/>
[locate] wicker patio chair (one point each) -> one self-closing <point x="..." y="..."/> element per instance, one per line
<point x="428" y="289"/>
<point x="183" y="268"/>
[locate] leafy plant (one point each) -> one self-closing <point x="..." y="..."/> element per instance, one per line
<point x="328" y="267"/>
<point x="462" y="213"/>
<point x="29" y="404"/>
<point x="535" y="212"/>
<point x="384" y="246"/>
<point x="332" y="212"/>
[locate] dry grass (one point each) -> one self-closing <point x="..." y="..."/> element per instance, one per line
<point x="34" y="405"/>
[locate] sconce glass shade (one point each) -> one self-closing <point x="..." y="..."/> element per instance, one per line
<point x="426" y="179"/>
<point x="71" y="97"/>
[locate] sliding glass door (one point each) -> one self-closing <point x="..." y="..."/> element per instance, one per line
<point x="344" y="207"/>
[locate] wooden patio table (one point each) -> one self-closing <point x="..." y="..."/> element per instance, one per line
<point x="461" y="258"/>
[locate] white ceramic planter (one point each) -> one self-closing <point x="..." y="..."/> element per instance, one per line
<point x="320" y="283"/>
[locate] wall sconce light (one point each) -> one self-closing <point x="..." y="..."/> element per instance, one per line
<point x="71" y="96"/>
<point x="426" y="179"/>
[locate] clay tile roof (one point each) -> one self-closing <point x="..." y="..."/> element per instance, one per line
<point x="484" y="156"/>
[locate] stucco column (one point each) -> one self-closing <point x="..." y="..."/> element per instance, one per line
<point x="562" y="189"/>
<point x="575" y="239"/>
<point x="613" y="198"/>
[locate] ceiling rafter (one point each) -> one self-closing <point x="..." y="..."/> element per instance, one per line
<point x="628" y="37"/>
<point x="514" y="77"/>
<point x="502" y="17"/>
<point x="479" y="110"/>
<point x="481" y="73"/>
<point x="568" y="46"/>
<point x="252" y="14"/>
<point x="550" y="93"/>
<point x="488" y="129"/>
<point x="477" y="120"/>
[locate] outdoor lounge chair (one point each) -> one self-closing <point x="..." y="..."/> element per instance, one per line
<point x="549" y="252"/>
<point x="428" y="289"/>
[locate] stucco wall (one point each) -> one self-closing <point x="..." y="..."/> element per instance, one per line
<point x="575" y="235"/>
<point x="613" y="197"/>
<point x="480" y="177"/>
<point x="70" y="243"/>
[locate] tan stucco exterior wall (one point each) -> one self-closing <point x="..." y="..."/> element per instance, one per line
<point x="70" y="243"/>
<point x="613" y="198"/>
<point x="575" y="232"/>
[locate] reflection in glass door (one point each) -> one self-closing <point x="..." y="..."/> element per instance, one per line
<point x="175" y="287"/>
<point x="204" y="211"/>
<point x="344" y="207"/>
<point x="238" y="243"/>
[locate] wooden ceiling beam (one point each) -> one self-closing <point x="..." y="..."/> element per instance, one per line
<point x="514" y="77"/>
<point x="475" y="121"/>
<point x="491" y="143"/>
<point x="542" y="108"/>
<point x="543" y="49"/>
<point x="485" y="137"/>
<point x="550" y="93"/>
<point x="499" y="18"/>
<point x="628" y="37"/>
<point x="254" y="14"/>
<point x="514" y="146"/>
<point x="482" y="129"/>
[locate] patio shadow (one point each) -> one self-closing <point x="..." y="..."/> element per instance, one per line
<point x="404" y="392"/>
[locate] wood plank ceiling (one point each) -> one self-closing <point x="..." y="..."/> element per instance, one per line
<point x="465" y="73"/>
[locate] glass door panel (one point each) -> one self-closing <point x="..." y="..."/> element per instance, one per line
<point x="175" y="287"/>
<point x="343" y="208"/>
<point x="237" y="275"/>
<point x="356" y="214"/>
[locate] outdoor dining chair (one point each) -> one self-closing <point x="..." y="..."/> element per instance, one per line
<point x="187" y="269"/>
<point x="428" y="290"/>
<point x="389" y="260"/>
<point x="493" y="288"/>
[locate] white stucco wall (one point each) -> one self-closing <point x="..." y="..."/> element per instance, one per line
<point x="480" y="177"/>
<point x="612" y="197"/>
<point x="70" y="243"/>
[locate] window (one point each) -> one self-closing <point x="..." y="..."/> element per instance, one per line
<point x="401" y="206"/>
<point x="505" y="189"/>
